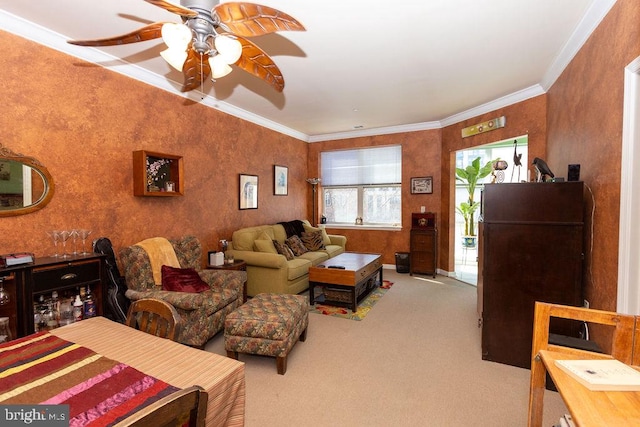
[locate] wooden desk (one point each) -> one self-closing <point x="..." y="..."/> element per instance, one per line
<point x="592" y="408"/>
<point x="588" y="408"/>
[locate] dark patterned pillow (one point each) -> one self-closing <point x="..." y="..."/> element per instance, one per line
<point x="283" y="250"/>
<point x="296" y="245"/>
<point x="313" y="240"/>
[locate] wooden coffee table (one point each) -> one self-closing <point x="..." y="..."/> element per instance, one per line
<point x="348" y="286"/>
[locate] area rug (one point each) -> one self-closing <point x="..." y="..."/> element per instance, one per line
<point x="363" y="307"/>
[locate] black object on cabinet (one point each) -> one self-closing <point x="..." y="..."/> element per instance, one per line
<point x="531" y="249"/>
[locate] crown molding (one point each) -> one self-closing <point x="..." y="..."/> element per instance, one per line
<point x="594" y="16"/>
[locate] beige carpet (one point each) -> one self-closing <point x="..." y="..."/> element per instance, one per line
<point x="415" y="360"/>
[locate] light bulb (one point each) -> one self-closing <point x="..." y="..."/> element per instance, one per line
<point x="230" y="49"/>
<point x="219" y="67"/>
<point x="176" y="36"/>
<point x="175" y="57"/>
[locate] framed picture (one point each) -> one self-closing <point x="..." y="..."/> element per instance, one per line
<point x="280" y="180"/>
<point x="248" y="191"/>
<point x="422" y="185"/>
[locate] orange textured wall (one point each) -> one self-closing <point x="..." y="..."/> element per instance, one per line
<point x="83" y="122"/>
<point x="525" y="118"/>
<point x="585" y="127"/>
<point x="420" y="157"/>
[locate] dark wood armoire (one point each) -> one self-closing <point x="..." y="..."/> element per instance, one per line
<point x="531" y="248"/>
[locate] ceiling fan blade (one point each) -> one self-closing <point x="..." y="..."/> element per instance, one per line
<point x="150" y="32"/>
<point x="249" y="19"/>
<point x="255" y="61"/>
<point x="196" y="70"/>
<point x="174" y="8"/>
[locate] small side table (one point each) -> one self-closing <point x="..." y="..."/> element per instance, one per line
<point x="238" y="265"/>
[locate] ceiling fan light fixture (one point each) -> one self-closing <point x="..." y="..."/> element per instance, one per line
<point x="228" y="48"/>
<point x="176" y="36"/>
<point x="219" y="67"/>
<point x="214" y="31"/>
<point x="174" y="57"/>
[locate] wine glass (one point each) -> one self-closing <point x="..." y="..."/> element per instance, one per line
<point x="4" y="295"/>
<point x="84" y="234"/>
<point x="55" y="238"/>
<point x="64" y="236"/>
<point x="74" y="236"/>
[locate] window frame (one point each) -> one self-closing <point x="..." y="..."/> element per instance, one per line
<point x="360" y="189"/>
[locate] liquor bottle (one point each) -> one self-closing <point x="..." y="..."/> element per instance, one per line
<point x="55" y="305"/>
<point x="89" y="305"/>
<point x="77" y="309"/>
<point x="5" y="330"/>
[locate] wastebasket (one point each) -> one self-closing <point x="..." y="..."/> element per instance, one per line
<point x="402" y="262"/>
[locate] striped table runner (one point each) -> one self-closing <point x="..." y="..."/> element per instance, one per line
<point x="45" y="369"/>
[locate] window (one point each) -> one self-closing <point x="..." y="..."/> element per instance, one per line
<point x="364" y="183"/>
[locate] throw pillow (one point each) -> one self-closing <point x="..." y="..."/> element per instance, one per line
<point x="325" y="237"/>
<point x="296" y="245"/>
<point x="265" y="246"/>
<point x="283" y="249"/>
<point x="182" y="280"/>
<point x="313" y="240"/>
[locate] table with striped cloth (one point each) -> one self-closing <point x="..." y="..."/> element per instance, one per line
<point x="45" y="369"/>
<point x="179" y="365"/>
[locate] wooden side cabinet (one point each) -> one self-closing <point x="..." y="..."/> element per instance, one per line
<point x="28" y="282"/>
<point x="423" y="247"/>
<point x="157" y="174"/>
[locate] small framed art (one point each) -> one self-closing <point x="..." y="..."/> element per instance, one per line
<point x="280" y="180"/>
<point x="422" y="185"/>
<point x="248" y="191"/>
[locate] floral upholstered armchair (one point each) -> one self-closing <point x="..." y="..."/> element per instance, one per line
<point x="202" y="313"/>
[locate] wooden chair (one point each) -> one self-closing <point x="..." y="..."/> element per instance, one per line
<point x="188" y="405"/>
<point x="624" y="338"/>
<point x="155" y="317"/>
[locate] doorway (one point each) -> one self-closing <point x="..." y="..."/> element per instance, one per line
<point x="466" y="252"/>
<point x="628" y="252"/>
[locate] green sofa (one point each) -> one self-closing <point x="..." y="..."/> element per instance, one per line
<point x="271" y="272"/>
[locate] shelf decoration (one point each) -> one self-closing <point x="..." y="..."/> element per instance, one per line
<point x="157" y="174"/>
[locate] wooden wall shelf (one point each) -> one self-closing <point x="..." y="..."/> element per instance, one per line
<point x="153" y="174"/>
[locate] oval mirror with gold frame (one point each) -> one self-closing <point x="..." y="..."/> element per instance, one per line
<point x="25" y="184"/>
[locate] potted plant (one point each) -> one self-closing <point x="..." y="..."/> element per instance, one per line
<point x="470" y="176"/>
<point x="467" y="210"/>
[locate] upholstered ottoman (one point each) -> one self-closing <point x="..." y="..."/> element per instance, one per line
<point x="268" y="325"/>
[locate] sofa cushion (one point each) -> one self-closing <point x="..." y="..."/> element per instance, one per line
<point x="267" y="234"/>
<point x="333" y="250"/>
<point x="243" y="239"/>
<point x="313" y="240"/>
<point x="325" y="237"/>
<point x="265" y="246"/>
<point x="182" y="280"/>
<point x="298" y="267"/>
<point x="316" y="257"/>
<point x="279" y="232"/>
<point x="296" y="245"/>
<point x="283" y="249"/>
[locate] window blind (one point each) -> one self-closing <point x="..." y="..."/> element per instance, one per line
<point x="378" y="165"/>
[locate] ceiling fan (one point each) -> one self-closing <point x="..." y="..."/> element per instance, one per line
<point x="211" y="38"/>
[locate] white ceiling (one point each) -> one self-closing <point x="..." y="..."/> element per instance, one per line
<point x="361" y="68"/>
